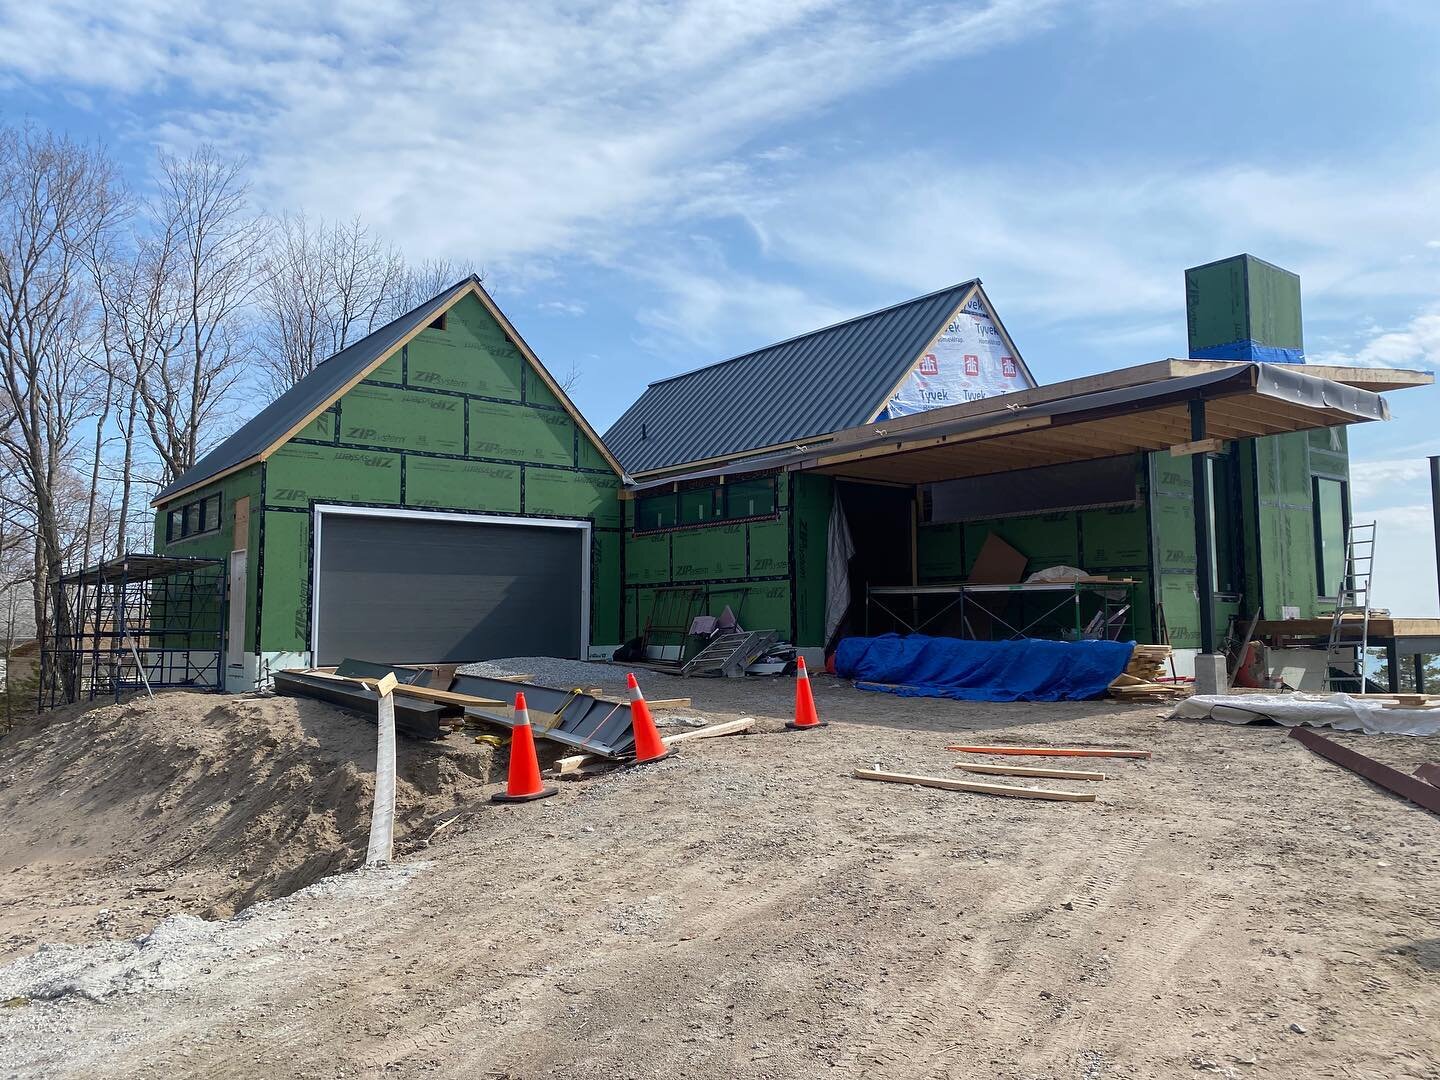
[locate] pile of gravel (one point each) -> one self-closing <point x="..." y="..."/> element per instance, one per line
<point x="566" y="674"/>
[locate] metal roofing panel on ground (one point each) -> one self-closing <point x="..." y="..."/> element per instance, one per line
<point x="819" y="382"/>
<point x="313" y="392"/>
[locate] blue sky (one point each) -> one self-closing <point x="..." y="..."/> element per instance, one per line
<point x="654" y="186"/>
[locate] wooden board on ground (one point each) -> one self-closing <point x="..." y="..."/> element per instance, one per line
<point x="669" y="703"/>
<point x="1030" y="770"/>
<point x="981" y="789"/>
<point x="1051" y="751"/>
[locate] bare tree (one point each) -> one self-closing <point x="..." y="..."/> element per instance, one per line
<point x="424" y="280"/>
<point x="325" y="286"/>
<point x="212" y="246"/>
<point x="56" y="197"/>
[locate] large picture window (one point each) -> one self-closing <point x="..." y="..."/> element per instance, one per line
<point x="1332" y="519"/>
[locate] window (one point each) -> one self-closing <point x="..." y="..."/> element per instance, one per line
<point x="1332" y="517"/>
<point x="193" y="519"/>
<point x="1224" y="524"/>
<point x="655" y="512"/>
<point x="706" y="505"/>
<point x="750" y="498"/>
<point x="697" y="506"/>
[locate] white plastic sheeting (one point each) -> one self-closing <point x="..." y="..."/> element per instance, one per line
<point x="840" y="549"/>
<point x="969" y="360"/>
<point x="1343" y="712"/>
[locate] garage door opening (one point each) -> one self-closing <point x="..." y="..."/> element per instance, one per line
<point x="414" y="587"/>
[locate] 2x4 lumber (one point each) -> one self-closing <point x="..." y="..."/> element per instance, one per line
<point x="1198" y="446"/>
<point x="1393" y="780"/>
<point x="1052" y="751"/>
<point x="440" y="697"/>
<point x="669" y="703"/>
<point x="980" y="789"/>
<point x="1029" y="770"/>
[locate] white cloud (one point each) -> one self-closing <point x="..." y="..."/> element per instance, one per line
<point x="1416" y="344"/>
<point x="500" y="131"/>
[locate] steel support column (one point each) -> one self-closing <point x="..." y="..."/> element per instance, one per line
<point x="1204" y="530"/>
<point x="1435" y="508"/>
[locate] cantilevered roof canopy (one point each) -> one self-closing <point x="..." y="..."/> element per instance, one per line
<point x="1078" y="421"/>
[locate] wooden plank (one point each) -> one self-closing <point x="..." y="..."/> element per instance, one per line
<point x="1393" y="780"/>
<point x="669" y="703"/>
<point x="440" y="697"/>
<point x="981" y="789"/>
<point x="386" y="684"/>
<point x="1051" y="751"/>
<point x="730" y="727"/>
<point x="1030" y="770"/>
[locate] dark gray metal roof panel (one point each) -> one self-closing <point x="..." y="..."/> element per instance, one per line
<point x="314" y="391"/>
<point x="1281" y="383"/>
<point x="805" y="386"/>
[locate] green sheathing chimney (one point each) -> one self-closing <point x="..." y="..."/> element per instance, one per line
<point x="1243" y="308"/>
<point x="748" y="563"/>
<point x="455" y="421"/>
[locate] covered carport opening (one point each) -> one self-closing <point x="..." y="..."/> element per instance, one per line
<point x="1048" y="441"/>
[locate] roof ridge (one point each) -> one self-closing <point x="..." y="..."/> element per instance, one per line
<point x="820" y="330"/>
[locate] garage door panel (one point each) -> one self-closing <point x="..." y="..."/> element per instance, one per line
<point x="408" y="590"/>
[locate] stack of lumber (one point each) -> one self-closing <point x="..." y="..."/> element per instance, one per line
<point x="1140" y="679"/>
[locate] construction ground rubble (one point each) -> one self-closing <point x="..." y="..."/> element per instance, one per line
<point x="619" y="873"/>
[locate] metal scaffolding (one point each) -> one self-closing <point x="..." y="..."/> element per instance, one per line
<point x="137" y="622"/>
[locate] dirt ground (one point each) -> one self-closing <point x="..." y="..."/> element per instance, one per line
<point x="1234" y="906"/>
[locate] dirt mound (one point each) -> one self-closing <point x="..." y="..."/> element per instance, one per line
<point x="123" y="814"/>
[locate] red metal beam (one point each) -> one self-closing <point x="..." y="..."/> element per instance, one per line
<point x="1429" y="772"/>
<point x="1409" y="787"/>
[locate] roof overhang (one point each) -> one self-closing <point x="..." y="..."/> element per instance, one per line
<point x="1064" y="423"/>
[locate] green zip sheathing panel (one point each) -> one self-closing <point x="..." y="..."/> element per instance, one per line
<point x="219" y="544"/>
<point x="745" y="564"/>
<point x="456" y="421"/>
<point x="1284" y="469"/>
<point x="1172" y="521"/>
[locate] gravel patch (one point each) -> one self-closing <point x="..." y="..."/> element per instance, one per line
<point x="565" y="674"/>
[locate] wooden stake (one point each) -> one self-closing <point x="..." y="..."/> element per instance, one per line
<point x="982" y="789"/>
<point x="1050" y="751"/>
<point x="1027" y="770"/>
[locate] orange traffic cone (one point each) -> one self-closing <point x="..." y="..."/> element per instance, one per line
<point x="524" y="781"/>
<point x="805" y="714"/>
<point x="648" y="745"/>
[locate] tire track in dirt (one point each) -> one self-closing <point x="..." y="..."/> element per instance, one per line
<point x="958" y="1009"/>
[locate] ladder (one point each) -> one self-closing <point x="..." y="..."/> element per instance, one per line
<point x="729" y="654"/>
<point x="1350" y="626"/>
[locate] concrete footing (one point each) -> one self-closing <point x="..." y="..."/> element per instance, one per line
<point x="1210" y="674"/>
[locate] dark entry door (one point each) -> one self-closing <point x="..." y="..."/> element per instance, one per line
<point x="411" y="589"/>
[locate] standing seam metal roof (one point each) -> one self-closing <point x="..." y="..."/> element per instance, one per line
<point x="271" y="423"/>
<point x="805" y="386"/>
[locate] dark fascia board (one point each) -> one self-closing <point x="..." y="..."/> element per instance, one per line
<point x="1267" y="380"/>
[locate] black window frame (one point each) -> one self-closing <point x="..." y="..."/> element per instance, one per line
<point x="208" y="515"/>
<point x="1322" y="589"/>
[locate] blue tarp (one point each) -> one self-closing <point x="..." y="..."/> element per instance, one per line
<point x="1026" y="670"/>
